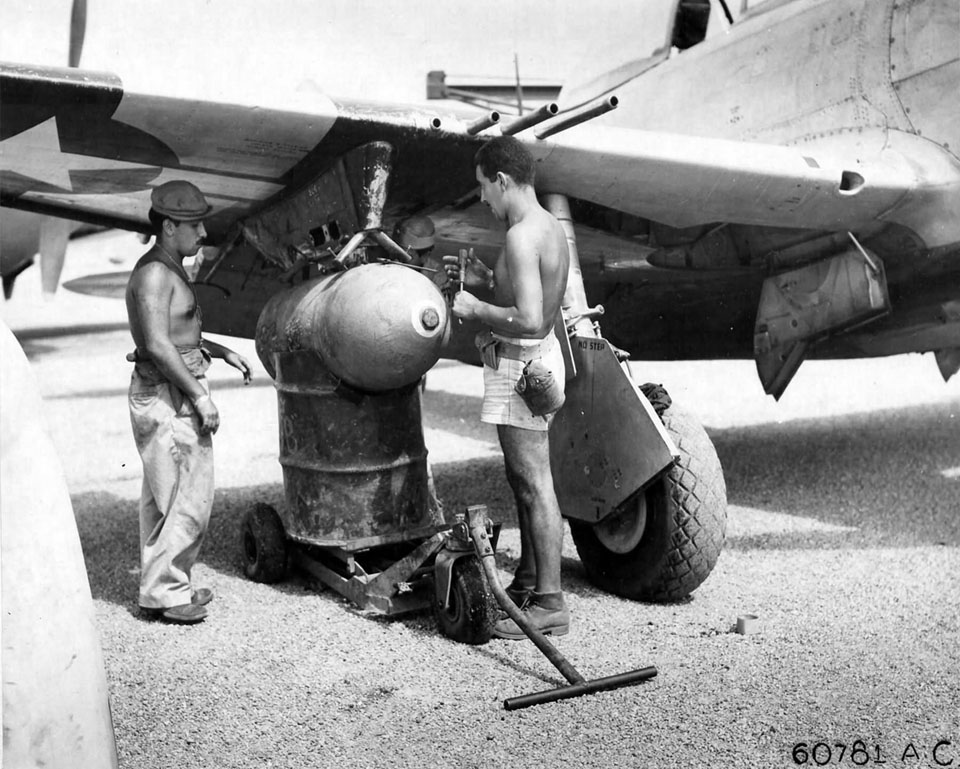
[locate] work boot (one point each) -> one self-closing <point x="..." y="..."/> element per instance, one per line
<point x="184" y="614"/>
<point x="201" y="596"/>
<point x="547" y="612"/>
<point x="521" y="587"/>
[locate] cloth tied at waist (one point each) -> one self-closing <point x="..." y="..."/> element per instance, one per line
<point x="540" y="387"/>
<point x="493" y="346"/>
<point x="195" y="358"/>
<point x="523" y="350"/>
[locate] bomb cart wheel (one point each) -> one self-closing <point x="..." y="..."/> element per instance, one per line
<point x="263" y="545"/>
<point x="662" y="543"/>
<point x="470" y="616"/>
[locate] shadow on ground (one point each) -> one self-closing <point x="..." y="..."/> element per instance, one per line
<point x="885" y="476"/>
<point x="108" y="529"/>
<point x="893" y="476"/>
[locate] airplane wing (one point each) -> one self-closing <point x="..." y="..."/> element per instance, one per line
<point x="77" y="144"/>
<point x="685" y="181"/>
<point x="305" y="174"/>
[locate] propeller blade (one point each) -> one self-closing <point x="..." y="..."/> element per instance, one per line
<point x="78" y="29"/>
<point x="54" y="235"/>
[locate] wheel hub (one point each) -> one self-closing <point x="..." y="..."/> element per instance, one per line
<point x="250" y="547"/>
<point x="622" y="530"/>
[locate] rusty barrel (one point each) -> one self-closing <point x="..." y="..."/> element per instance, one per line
<point x="347" y="353"/>
<point x="354" y="462"/>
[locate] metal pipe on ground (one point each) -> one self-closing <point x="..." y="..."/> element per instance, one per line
<point x="476" y="521"/>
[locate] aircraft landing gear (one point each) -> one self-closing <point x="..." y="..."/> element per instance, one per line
<point x="662" y="542"/>
<point x="644" y="495"/>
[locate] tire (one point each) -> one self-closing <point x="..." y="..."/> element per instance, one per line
<point x="661" y="544"/>
<point x="263" y="545"/>
<point x="473" y="610"/>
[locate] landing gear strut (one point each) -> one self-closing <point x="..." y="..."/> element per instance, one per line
<point x="644" y="494"/>
<point x="662" y="543"/>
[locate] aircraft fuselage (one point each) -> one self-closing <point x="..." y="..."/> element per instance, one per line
<point x="807" y="71"/>
<point x="853" y="81"/>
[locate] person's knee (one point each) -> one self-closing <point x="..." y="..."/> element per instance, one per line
<point x="533" y="490"/>
<point x="526" y="495"/>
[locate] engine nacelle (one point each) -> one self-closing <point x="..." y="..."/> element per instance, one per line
<point x="376" y="326"/>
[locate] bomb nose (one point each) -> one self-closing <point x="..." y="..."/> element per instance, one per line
<point x="430" y="318"/>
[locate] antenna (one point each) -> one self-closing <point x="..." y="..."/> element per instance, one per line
<point x="516" y="72"/>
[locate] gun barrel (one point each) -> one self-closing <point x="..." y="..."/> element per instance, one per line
<point x="531" y="119"/>
<point x="483" y="122"/>
<point x="579" y="115"/>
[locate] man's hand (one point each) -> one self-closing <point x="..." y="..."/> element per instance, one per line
<point x="209" y="416"/>
<point x="476" y="274"/>
<point x="240" y="363"/>
<point x="465" y="305"/>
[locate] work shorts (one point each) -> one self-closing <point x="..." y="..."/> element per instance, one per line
<point x="502" y="404"/>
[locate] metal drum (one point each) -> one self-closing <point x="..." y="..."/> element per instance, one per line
<point x="354" y="462"/>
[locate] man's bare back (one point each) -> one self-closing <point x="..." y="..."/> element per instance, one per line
<point x="536" y="241"/>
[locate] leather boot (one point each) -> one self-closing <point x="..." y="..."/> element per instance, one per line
<point x="520" y="588"/>
<point x="545" y="611"/>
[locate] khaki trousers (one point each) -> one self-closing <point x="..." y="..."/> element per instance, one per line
<point x="177" y="494"/>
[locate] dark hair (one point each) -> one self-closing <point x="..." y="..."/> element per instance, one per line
<point x="156" y="220"/>
<point x="506" y="154"/>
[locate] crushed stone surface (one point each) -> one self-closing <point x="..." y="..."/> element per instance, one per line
<point x="843" y="538"/>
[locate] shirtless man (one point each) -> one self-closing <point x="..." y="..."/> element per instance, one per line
<point x="171" y="411"/>
<point x="528" y="280"/>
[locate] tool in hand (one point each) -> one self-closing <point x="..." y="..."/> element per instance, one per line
<point x="477" y="522"/>
<point x="463" y="269"/>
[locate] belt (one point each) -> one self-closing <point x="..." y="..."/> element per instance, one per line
<point x="142" y="355"/>
<point x="522" y="353"/>
<point x="196" y="359"/>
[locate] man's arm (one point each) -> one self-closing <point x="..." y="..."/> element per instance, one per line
<point x="525" y="315"/>
<point x="229" y="356"/>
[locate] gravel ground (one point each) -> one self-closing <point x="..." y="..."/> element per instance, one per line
<point x="844" y="537"/>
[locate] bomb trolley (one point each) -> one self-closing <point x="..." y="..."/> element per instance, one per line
<point x="356" y="513"/>
<point x="357" y="517"/>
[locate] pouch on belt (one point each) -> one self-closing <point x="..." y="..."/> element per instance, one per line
<point x="539" y="388"/>
<point x="487" y="344"/>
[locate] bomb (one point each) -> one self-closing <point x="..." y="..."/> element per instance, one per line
<point x="377" y="326"/>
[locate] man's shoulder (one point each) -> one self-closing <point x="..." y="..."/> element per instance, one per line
<point x="150" y="270"/>
<point x="534" y="230"/>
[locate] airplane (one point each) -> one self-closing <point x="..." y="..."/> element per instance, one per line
<point x="24" y="235"/>
<point x="56" y="707"/>
<point x="778" y="181"/>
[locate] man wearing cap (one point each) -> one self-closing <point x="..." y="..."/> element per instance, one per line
<point x="416" y="235"/>
<point x="171" y="411"/>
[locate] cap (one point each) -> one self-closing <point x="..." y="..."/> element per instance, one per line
<point x="180" y="200"/>
<point x="415" y="232"/>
